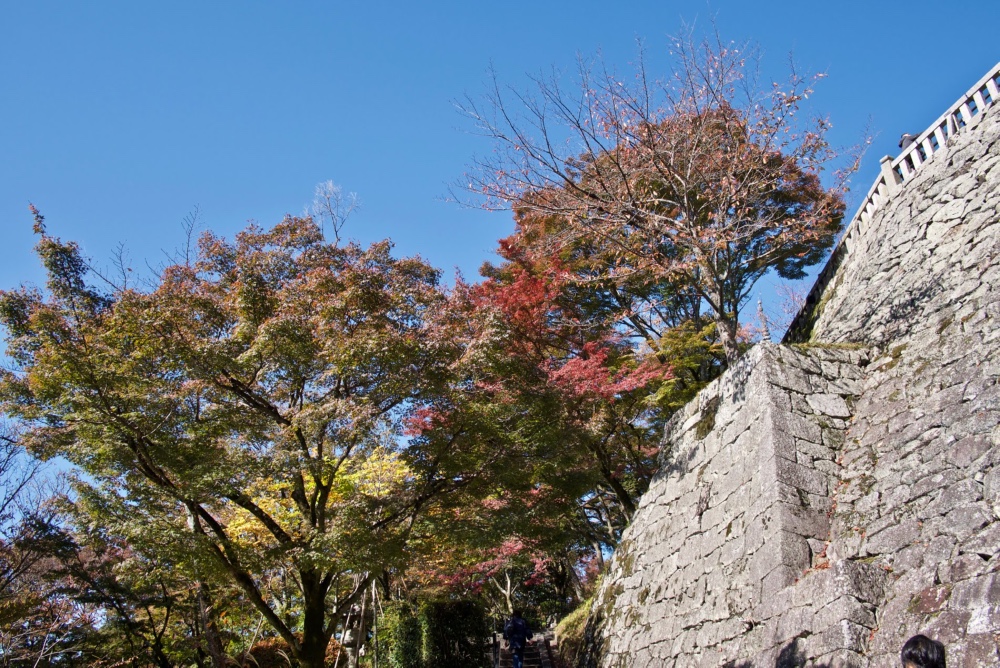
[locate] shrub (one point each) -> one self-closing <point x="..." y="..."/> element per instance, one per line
<point x="399" y="636"/>
<point x="438" y="634"/>
<point x="570" y="633"/>
<point x="453" y="634"/>
<point x="275" y="653"/>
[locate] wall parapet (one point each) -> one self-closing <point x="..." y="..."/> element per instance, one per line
<point x="894" y="174"/>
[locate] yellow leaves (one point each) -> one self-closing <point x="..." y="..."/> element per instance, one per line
<point x="275" y="499"/>
<point x="380" y="475"/>
<point x="370" y="480"/>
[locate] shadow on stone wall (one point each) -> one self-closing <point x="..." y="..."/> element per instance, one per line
<point x="792" y="655"/>
<point x="593" y="640"/>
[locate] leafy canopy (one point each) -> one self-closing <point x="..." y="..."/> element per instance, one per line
<point x="243" y="417"/>
<point x="705" y="179"/>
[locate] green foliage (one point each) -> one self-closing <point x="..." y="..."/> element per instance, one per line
<point x="437" y="634"/>
<point x="453" y="633"/>
<point x="694" y="355"/>
<point x="570" y="633"/>
<point x="399" y="637"/>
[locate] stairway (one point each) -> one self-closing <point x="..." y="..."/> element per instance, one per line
<point x="538" y="653"/>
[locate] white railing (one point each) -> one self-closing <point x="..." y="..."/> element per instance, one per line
<point x="896" y="171"/>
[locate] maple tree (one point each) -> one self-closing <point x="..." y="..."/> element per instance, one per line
<point x="704" y="180"/>
<point x="241" y="418"/>
<point x="574" y="372"/>
<point x="505" y="552"/>
<point x="492" y="548"/>
<point x="103" y="604"/>
<point x="20" y="512"/>
<point x="560" y="398"/>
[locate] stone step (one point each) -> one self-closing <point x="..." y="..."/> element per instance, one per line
<point x="532" y="658"/>
<point x="537" y="654"/>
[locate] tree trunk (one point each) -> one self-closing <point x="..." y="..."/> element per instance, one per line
<point x="213" y="643"/>
<point x="575" y="586"/>
<point x="360" y="633"/>
<point x="312" y="649"/>
<point x="507" y="591"/>
<point x="726" y="329"/>
<point x="604" y="464"/>
<point x="599" y="555"/>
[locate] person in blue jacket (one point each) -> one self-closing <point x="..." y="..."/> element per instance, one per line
<point x="517" y="633"/>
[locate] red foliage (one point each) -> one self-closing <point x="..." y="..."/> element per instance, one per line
<point x="527" y="299"/>
<point x="423" y="420"/>
<point x="475" y="576"/>
<point x="588" y="375"/>
<point x="574" y="356"/>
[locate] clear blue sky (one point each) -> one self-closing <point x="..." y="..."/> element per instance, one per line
<point x="118" y="118"/>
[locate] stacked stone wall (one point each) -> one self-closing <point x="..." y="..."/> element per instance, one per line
<point x="739" y="515"/>
<point x="920" y="490"/>
<point x="820" y="504"/>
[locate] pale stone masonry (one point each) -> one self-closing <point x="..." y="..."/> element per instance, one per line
<point x="739" y="514"/>
<point x="822" y="502"/>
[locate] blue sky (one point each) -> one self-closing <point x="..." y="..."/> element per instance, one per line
<point x="118" y="118"/>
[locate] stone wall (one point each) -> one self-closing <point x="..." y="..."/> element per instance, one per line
<point x="820" y="504"/>
<point x="920" y="489"/>
<point x="741" y="511"/>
